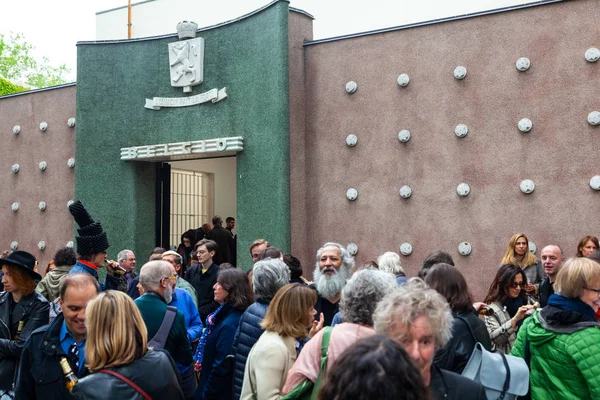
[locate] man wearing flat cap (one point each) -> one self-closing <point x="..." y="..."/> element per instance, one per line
<point x="91" y="247"/>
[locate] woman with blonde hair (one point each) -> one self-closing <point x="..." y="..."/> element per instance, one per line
<point x="117" y="355"/>
<point x="517" y="253"/>
<point x="289" y="317"/>
<point x="561" y="342"/>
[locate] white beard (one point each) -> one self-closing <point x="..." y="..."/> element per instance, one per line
<point x="168" y="294"/>
<point x="329" y="286"/>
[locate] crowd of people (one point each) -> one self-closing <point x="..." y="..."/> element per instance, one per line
<point x="188" y="327"/>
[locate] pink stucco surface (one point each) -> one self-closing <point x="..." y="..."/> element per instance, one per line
<point x="560" y="154"/>
<point x="30" y="185"/>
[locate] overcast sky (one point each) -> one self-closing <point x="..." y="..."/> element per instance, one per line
<point x="54" y="27"/>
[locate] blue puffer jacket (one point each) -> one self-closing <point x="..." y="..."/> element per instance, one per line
<point x="246" y="336"/>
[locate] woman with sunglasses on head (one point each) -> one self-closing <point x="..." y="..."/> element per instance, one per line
<point x="518" y="253"/>
<point x="507" y="298"/>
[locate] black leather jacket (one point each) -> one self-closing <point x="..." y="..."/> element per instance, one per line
<point x="467" y="329"/>
<point x="40" y="374"/>
<point x="33" y="310"/>
<point x="155" y="373"/>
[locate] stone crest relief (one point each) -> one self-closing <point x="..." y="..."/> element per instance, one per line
<point x="186" y="62"/>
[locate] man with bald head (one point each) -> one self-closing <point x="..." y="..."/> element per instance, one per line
<point x="552" y="260"/>
<point x="156" y="279"/>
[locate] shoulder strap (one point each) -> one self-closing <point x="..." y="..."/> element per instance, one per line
<point x="160" y="339"/>
<point x="324" y="350"/>
<point x="127" y="381"/>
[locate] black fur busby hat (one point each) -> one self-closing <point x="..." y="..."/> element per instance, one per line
<point x="91" y="237"/>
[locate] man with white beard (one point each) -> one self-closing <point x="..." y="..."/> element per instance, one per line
<point x="332" y="271"/>
<point x="155" y="279"/>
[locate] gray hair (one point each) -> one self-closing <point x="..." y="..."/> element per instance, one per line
<point x="178" y="258"/>
<point x="152" y="273"/>
<point x="122" y="256"/>
<point x="347" y="259"/>
<point x="405" y="304"/>
<point x="390" y="262"/>
<point x="361" y="294"/>
<point x="269" y="275"/>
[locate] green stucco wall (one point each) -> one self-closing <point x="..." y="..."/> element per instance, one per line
<point x="250" y="58"/>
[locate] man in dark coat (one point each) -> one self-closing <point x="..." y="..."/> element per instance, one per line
<point x="156" y="278"/>
<point x="552" y="260"/>
<point x="203" y="277"/>
<point x="224" y="240"/>
<point x="332" y="271"/>
<point x="40" y="374"/>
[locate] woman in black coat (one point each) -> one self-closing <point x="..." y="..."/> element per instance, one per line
<point x="467" y="328"/>
<point x="22" y="310"/>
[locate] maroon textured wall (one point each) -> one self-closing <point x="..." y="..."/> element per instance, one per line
<point x="30" y="185"/>
<point x="560" y="154"/>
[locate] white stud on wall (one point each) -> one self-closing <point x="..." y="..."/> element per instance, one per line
<point x="16" y="129"/>
<point x="594" y="118"/>
<point x="592" y="54"/>
<point x="15" y="168"/>
<point x="465" y="248"/>
<point x="71" y="122"/>
<point x="43" y="165"/>
<point x="461" y="130"/>
<point x="42" y="205"/>
<point x="71" y="162"/>
<point x="70" y="244"/>
<point x="15" y="206"/>
<point x="460" y="72"/>
<point x="42" y="245"/>
<point x="352" y="249"/>
<point x="43" y="126"/>
<point x="404" y="135"/>
<point x="525" y="125"/>
<point x="351" y="194"/>
<point x="595" y="182"/>
<point x="351" y="87"/>
<point x="405" y="192"/>
<point x="403" y="80"/>
<point x="527" y="186"/>
<point x="14" y="245"/>
<point x="406" y="249"/>
<point x="532" y="247"/>
<point x="351" y="140"/>
<point x="523" y="64"/>
<point x="463" y="189"/>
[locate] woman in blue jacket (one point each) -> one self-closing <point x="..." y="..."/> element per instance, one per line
<point x="232" y="292"/>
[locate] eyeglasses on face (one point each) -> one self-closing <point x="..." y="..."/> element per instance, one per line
<point x="515" y="285"/>
<point x="594" y="290"/>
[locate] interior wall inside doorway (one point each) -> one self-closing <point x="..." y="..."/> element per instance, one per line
<point x="223" y="170"/>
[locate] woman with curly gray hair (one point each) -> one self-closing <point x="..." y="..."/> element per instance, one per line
<point x="419" y="319"/>
<point x="359" y="299"/>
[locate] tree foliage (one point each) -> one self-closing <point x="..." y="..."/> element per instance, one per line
<point x="7" y="87"/>
<point x="17" y="64"/>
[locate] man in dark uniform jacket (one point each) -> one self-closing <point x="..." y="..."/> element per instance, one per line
<point x="40" y="374"/>
<point x="552" y="260"/>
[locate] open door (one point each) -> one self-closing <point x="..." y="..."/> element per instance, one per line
<point x="163" y="205"/>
